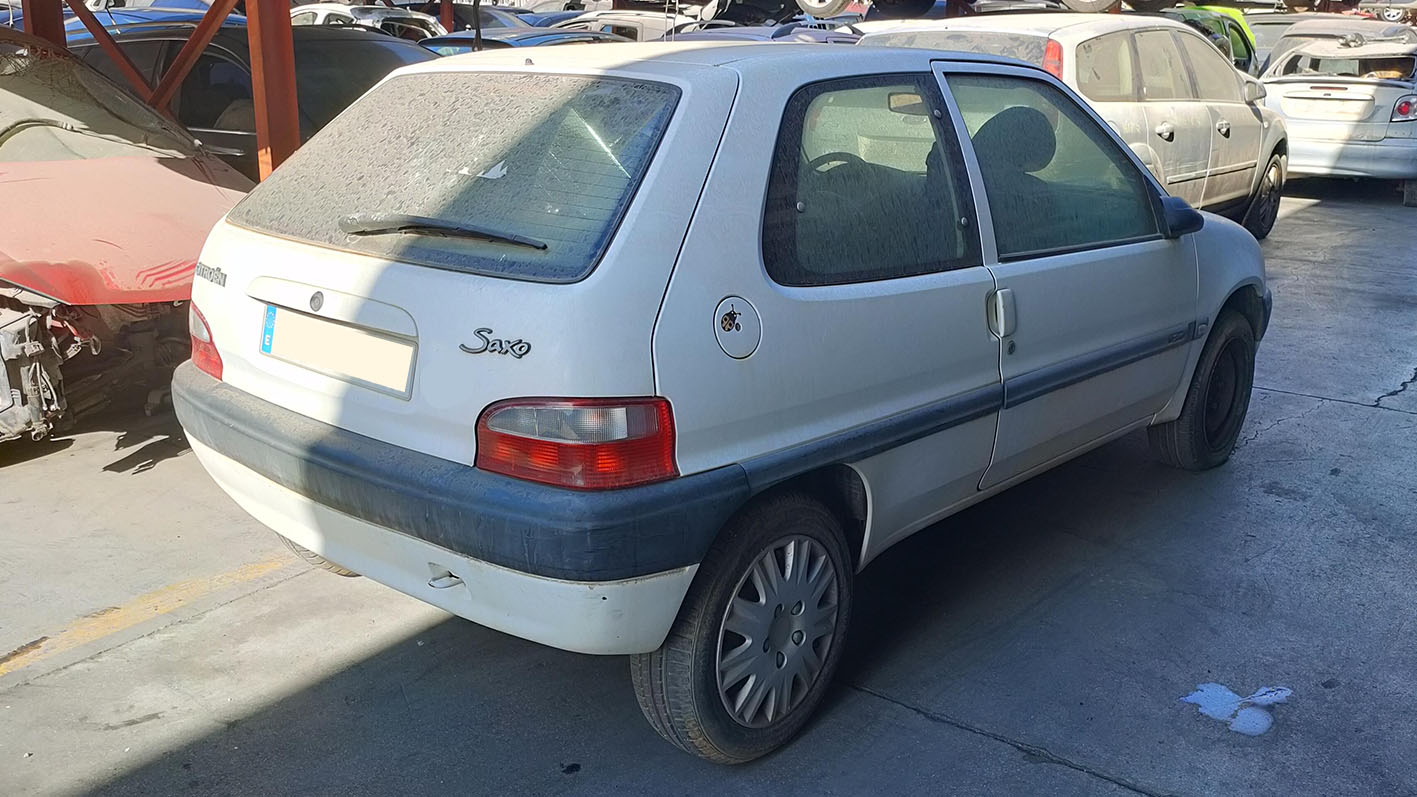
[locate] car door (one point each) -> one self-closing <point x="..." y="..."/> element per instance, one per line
<point x="1105" y="72"/>
<point x="1237" y="129"/>
<point x="853" y="330"/>
<point x="1180" y="125"/>
<point x="1093" y="308"/>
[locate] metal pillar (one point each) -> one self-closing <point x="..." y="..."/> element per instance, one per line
<point x="273" y="82"/>
<point x="186" y="58"/>
<point x="446" y="12"/>
<point x="100" y="34"/>
<point x="45" y="19"/>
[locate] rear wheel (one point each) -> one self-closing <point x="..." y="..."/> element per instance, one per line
<point x="1204" y="434"/>
<point x="316" y="559"/>
<point x="1264" y="205"/>
<point x="758" y="638"/>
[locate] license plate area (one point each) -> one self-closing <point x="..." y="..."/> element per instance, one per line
<point x="375" y="360"/>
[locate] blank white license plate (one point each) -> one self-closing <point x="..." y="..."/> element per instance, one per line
<point x="338" y="350"/>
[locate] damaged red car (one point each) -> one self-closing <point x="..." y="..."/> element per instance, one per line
<point x="104" y="205"/>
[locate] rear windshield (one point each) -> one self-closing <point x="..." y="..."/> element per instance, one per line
<point x="1395" y="68"/>
<point x="1023" y="46"/>
<point x="547" y="162"/>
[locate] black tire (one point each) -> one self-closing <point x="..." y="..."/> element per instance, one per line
<point x="1264" y="205"/>
<point x="901" y="9"/>
<point x="1203" y="436"/>
<point x="1409" y="193"/>
<point x="677" y="686"/>
<point x="317" y="560"/>
<point x="823" y="8"/>
<point x="1148" y="6"/>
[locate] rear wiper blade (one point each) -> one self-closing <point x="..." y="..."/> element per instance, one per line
<point x="393" y="223"/>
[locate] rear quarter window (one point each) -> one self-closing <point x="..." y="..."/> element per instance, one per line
<point x="555" y="159"/>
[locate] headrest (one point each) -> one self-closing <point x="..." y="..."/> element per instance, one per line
<point x="1019" y="137"/>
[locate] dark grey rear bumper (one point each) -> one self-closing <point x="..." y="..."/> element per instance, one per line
<point x="533" y="528"/>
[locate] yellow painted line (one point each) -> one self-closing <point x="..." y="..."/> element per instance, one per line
<point x="141" y="609"/>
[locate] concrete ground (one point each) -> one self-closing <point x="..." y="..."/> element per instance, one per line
<point x="1038" y="643"/>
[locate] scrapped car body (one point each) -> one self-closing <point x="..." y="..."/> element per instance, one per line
<point x="1176" y="100"/>
<point x="788" y="32"/>
<point x="401" y="22"/>
<point x="1351" y="109"/>
<point x="101" y="306"/>
<point x="653" y="347"/>
<point x="1333" y="27"/>
<point x="639" y="26"/>
<point x="463" y="42"/>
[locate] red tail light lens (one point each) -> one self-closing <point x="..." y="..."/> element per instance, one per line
<point x="1053" y="59"/>
<point x="584" y="444"/>
<point x="1405" y="110"/>
<point x="204" y="353"/>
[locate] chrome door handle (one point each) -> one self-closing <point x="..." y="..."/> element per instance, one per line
<point x="1166" y="130"/>
<point x="1001" y="313"/>
<point x="1223" y="128"/>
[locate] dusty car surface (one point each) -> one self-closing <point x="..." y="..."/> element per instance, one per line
<point x="498" y="38"/>
<point x="1332" y="27"/>
<point x="1176" y="100"/>
<point x="1351" y="108"/>
<point x="631" y="24"/>
<point x="101" y="306"/>
<point x="572" y="374"/>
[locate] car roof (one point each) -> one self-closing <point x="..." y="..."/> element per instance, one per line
<point x="1036" y="24"/>
<point x="1338" y="23"/>
<point x="745" y="57"/>
<point x="519" y="34"/>
<point x="1335" y="48"/>
<point x="167" y="30"/>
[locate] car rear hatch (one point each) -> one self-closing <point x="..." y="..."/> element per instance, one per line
<point x="1330" y="91"/>
<point x="462" y="237"/>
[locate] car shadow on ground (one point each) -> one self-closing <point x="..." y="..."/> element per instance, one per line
<point x="143" y="440"/>
<point x="458" y="703"/>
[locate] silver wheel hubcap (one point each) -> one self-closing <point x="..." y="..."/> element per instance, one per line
<point x="777" y="631"/>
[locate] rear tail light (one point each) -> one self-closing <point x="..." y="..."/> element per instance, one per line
<point x="204" y="353"/>
<point x="585" y="444"/>
<point x="1053" y="59"/>
<point x="1406" y="109"/>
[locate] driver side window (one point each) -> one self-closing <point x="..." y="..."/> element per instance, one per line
<point x="867" y="184"/>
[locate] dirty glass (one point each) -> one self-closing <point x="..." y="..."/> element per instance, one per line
<point x="1163" y="74"/>
<point x="1105" y="69"/>
<point x="52" y="107"/>
<point x="1023" y="46"/>
<point x="1391" y="68"/>
<point x="866" y="184"/>
<point x="1055" y="180"/>
<point x="1216" y="78"/>
<point x="552" y="158"/>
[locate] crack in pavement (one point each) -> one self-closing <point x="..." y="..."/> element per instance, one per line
<point x="1349" y="402"/>
<point x="1402" y="388"/>
<point x="1252" y="437"/>
<point x="1033" y="751"/>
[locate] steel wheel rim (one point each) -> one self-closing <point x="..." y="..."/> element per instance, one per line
<point x="1221" y="395"/>
<point x="777" y="631"/>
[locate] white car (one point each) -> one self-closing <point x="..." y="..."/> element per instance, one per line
<point x="1176" y="100"/>
<point x="402" y="22"/>
<point x="639" y="26"/>
<point x="653" y="347"/>
<point x="1351" y="105"/>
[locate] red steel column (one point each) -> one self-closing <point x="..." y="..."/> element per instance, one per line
<point x="446" y="12"/>
<point x="273" y="82"/>
<point x="45" y="19"/>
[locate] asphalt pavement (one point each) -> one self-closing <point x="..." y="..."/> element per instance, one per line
<point x="1042" y="642"/>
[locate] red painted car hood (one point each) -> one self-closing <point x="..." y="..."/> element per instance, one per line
<point x="112" y="230"/>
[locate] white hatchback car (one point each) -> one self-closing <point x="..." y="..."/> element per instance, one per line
<point x="1176" y="100"/>
<point x="653" y="347"/>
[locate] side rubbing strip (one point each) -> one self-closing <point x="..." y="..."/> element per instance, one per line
<point x="1033" y="384"/>
<point x="872" y="438"/>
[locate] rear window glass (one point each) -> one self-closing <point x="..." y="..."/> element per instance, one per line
<point x="1023" y="46"/>
<point x="547" y="162"/>
<point x="1395" y="68"/>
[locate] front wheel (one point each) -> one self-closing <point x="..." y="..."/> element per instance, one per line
<point x="1264" y="205"/>
<point x="758" y="638"/>
<point x="1204" y="434"/>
